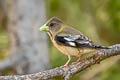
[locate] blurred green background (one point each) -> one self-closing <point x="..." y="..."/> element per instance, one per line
<point x="98" y="19"/>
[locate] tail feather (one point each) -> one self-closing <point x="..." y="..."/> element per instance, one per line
<point x="100" y="47"/>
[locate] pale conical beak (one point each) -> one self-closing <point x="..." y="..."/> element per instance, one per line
<point x="44" y="28"/>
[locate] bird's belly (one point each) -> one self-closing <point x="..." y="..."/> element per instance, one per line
<point x="69" y="51"/>
<point x="72" y="51"/>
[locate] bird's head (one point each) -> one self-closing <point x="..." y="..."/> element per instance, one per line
<point x="53" y="26"/>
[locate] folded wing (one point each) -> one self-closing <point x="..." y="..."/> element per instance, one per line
<point x="79" y="41"/>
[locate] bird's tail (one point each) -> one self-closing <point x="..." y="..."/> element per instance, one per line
<point x="101" y="47"/>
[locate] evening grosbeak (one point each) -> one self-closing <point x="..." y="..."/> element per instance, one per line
<point x="68" y="40"/>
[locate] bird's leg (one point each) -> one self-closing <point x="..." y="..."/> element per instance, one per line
<point x="69" y="58"/>
<point x="79" y="58"/>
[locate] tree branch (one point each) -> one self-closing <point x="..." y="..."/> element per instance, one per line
<point x="68" y="72"/>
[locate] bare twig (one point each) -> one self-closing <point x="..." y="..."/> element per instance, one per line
<point x="74" y="68"/>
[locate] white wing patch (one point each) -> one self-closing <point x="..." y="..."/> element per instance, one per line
<point x="72" y="38"/>
<point x="71" y="43"/>
<point x="84" y="42"/>
<point x="68" y="39"/>
<point x="75" y="37"/>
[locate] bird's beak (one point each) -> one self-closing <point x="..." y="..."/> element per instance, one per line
<point x="44" y="28"/>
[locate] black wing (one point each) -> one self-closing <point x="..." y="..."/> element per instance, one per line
<point x="73" y="41"/>
<point x="76" y="41"/>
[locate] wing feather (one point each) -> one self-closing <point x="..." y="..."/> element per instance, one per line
<point x="74" y="41"/>
<point x="79" y="41"/>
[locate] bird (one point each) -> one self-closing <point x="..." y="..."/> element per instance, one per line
<point x="68" y="40"/>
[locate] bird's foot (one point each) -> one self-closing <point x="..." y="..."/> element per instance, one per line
<point x="74" y="62"/>
<point x="78" y="60"/>
<point x="66" y="66"/>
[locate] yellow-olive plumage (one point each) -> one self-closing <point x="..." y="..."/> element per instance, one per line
<point x="68" y="40"/>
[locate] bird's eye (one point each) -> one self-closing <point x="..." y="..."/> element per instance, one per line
<point x="51" y="24"/>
